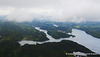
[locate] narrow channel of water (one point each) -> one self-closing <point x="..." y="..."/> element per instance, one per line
<point x="82" y="38"/>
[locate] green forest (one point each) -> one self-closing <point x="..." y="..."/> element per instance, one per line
<point x="92" y="28"/>
<point x="52" y="30"/>
<point x="16" y="32"/>
<point x="12" y="32"/>
<point x="13" y="49"/>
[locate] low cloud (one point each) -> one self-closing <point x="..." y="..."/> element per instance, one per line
<point x="53" y="10"/>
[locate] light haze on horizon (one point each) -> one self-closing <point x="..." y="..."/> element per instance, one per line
<point x="53" y="10"/>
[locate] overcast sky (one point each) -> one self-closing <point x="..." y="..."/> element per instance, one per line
<point x="54" y="10"/>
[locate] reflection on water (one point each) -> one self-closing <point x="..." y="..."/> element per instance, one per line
<point x="86" y="40"/>
<point x="82" y="38"/>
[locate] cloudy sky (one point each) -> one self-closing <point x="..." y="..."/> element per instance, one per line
<point x="53" y="10"/>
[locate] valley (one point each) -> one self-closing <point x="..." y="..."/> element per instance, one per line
<point x="37" y="37"/>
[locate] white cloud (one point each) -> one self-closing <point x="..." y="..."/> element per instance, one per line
<point x="55" y="10"/>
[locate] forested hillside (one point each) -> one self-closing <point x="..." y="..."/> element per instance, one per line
<point x="12" y="32"/>
<point x="13" y="49"/>
<point x="92" y="28"/>
<point x="16" y="32"/>
<point x="56" y="32"/>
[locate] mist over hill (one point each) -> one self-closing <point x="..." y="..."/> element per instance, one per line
<point x="46" y="25"/>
